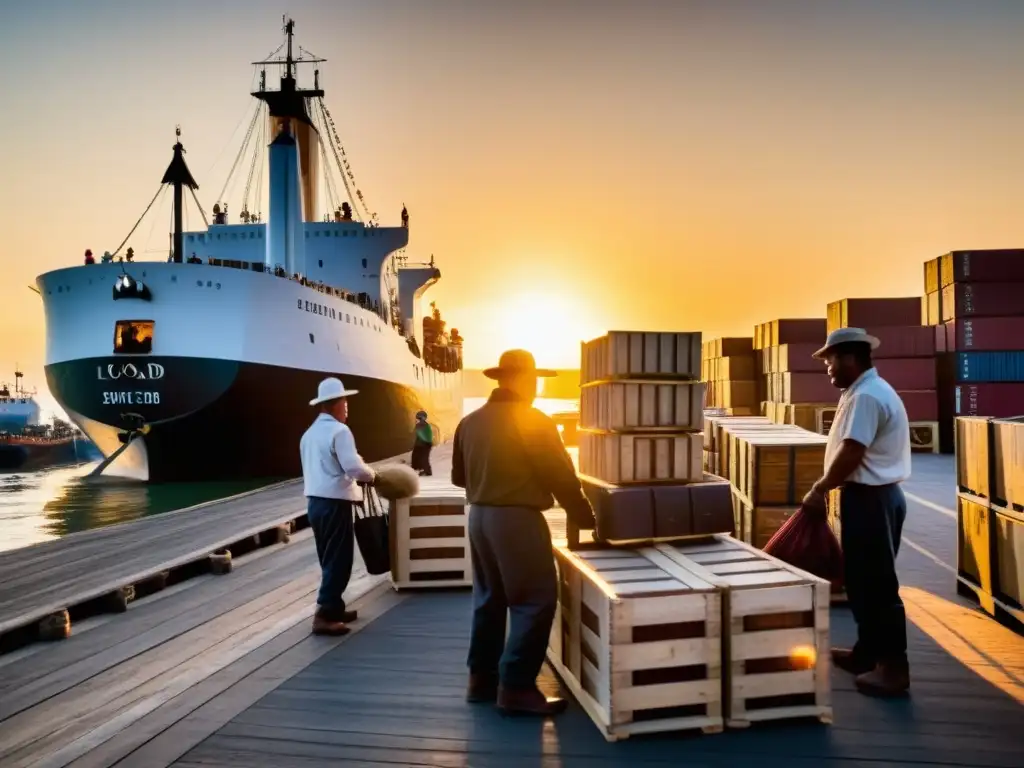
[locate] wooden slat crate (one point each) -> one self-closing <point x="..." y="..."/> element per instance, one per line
<point x="627" y="458"/>
<point x="626" y="406"/>
<point x="641" y="355"/>
<point x="638" y="642"/>
<point x="729" y="455"/>
<point x="807" y="416"/>
<point x="430" y="538"/>
<point x="777" y="657"/>
<point x="777" y="469"/>
<point x="757" y="525"/>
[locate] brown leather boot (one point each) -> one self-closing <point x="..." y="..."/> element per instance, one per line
<point x="323" y="626"/>
<point x="482" y="689"/>
<point x="346" y="616"/>
<point x="887" y="680"/>
<point x="848" y="660"/>
<point x="529" y="702"/>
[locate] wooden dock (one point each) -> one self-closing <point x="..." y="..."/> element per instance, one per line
<point x="222" y="671"/>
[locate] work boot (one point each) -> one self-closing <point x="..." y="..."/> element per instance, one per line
<point x="888" y="679"/>
<point x="849" y="660"/>
<point x="324" y="626"/>
<point x="333" y="615"/>
<point x="529" y="701"/>
<point x="482" y="689"/>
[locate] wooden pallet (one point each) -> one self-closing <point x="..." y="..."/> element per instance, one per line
<point x="641" y="458"/>
<point x="630" y="406"/>
<point x="638" y="642"/>
<point x="776" y="629"/>
<point x="429" y="537"/>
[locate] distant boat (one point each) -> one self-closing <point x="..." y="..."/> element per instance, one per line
<point x="202" y="367"/>
<point x="39" y="446"/>
<point x="18" y="406"/>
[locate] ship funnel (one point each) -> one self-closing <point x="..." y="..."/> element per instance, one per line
<point x="285" y="243"/>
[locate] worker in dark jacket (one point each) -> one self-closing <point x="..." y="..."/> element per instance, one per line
<point x="509" y="458"/>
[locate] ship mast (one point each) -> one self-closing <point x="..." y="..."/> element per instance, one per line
<point x="178" y="176"/>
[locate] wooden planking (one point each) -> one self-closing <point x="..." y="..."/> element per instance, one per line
<point x="51" y="576"/>
<point x="641" y="355"/>
<point x="625" y="458"/>
<point x="629" y="406"/>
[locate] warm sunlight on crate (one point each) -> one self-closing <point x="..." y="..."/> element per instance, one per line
<point x="430" y="538"/>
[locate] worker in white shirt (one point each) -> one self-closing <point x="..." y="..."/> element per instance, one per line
<point x="331" y="471"/>
<point x="867" y="457"/>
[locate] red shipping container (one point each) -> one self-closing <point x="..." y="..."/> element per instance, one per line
<point x="989" y="266"/>
<point x="865" y="313"/>
<point x="797" y="330"/>
<point x="984" y="334"/>
<point x="808" y="388"/>
<point x="904" y="341"/>
<point x="921" y="405"/>
<point x="908" y="373"/>
<point x="797" y="357"/>
<point x="996" y="400"/>
<point x="982" y="300"/>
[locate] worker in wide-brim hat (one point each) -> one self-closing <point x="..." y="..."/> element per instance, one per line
<point x="512" y="463"/>
<point x="331" y="472"/>
<point x="423" y="443"/>
<point x="867" y="456"/>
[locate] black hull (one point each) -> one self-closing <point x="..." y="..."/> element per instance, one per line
<point x="224" y="420"/>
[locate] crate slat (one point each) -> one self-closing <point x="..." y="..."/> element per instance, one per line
<point x="641" y="354"/>
<point x="429" y="538"/>
<point x="629" y="458"/>
<point x="630" y="406"/>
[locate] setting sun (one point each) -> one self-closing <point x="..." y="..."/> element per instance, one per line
<point x="551" y="325"/>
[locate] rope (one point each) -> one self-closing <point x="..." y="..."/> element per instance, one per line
<point x="200" y="207"/>
<point x="255" y="157"/>
<point x="241" y="151"/>
<point x="332" y="197"/>
<point x="161" y="189"/>
<point x="346" y="173"/>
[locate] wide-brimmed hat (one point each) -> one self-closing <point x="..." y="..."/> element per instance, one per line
<point x="847" y="336"/>
<point x="331" y="389"/>
<point x="517" y="361"/>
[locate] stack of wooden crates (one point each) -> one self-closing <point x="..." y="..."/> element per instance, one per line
<point x="727" y="368"/>
<point x="688" y="628"/>
<point x="795" y="385"/>
<point x="990" y="515"/>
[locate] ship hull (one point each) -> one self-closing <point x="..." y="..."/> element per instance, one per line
<point x="28" y="456"/>
<point x="213" y="419"/>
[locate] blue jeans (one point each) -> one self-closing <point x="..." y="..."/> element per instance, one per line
<point x="331" y="521"/>
<point x="514" y="574"/>
<point x="871" y="520"/>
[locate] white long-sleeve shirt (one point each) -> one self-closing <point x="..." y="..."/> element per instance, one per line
<point x="331" y="466"/>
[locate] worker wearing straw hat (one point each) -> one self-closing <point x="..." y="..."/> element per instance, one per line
<point x="331" y="472"/>
<point x="867" y="457"/>
<point x="511" y="461"/>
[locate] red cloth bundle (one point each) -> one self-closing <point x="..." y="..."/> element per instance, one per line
<point x="807" y="541"/>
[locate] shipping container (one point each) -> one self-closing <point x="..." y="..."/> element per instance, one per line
<point x="908" y="372"/>
<point x="933" y="308"/>
<point x="865" y="313"/>
<point x="904" y="341"/>
<point x="797" y="358"/>
<point x="738" y="368"/>
<point x="984" y="334"/>
<point x="987" y="266"/>
<point x="805" y="388"/>
<point x="733" y="347"/>
<point x="921" y="405"/>
<point x="932" y="280"/>
<point x="795" y="331"/>
<point x="989" y="367"/>
<point x="999" y="401"/>
<point x="981" y="300"/>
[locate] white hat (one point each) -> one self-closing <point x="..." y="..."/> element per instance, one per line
<point x="845" y="336"/>
<point x="331" y="389"/>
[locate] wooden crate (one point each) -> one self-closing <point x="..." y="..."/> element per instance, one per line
<point x="807" y="415"/>
<point x="641" y="355"/>
<point x="641" y="458"/>
<point x="756" y="525"/>
<point x="429" y="537"/>
<point x="776" y="469"/>
<point x="776" y="656"/>
<point x="626" y="406"/>
<point x="638" y="642"/>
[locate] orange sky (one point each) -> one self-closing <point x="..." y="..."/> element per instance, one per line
<point x="574" y="167"/>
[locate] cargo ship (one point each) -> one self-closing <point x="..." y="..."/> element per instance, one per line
<point x="18" y="406"/>
<point x="39" y="446"/>
<point x="202" y="368"/>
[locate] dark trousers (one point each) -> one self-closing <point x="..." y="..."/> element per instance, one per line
<point x="420" y="459"/>
<point x="871" y="520"/>
<point x="513" y="573"/>
<point x="331" y="521"/>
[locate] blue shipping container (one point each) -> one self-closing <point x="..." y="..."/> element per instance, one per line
<point x="990" y="366"/>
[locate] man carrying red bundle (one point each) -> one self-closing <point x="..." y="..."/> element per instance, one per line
<point x="867" y="457"/>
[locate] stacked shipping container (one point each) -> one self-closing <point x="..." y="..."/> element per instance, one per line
<point x="727" y="367"/>
<point x="795" y="386"/>
<point x="905" y="358"/>
<point x="974" y="303"/>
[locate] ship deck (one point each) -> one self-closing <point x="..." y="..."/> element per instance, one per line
<point x="222" y="671"/>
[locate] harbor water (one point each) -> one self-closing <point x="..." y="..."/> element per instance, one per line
<point x="46" y="504"/>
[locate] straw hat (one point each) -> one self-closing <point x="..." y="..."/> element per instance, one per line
<point x="847" y="336"/>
